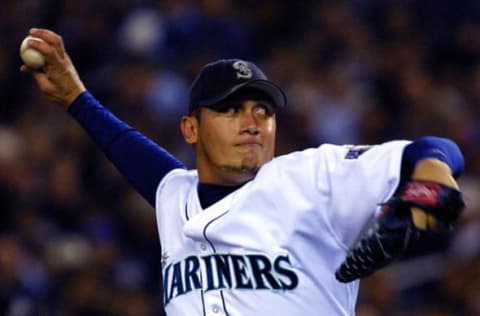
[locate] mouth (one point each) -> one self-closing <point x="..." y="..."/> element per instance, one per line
<point x="249" y="146"/>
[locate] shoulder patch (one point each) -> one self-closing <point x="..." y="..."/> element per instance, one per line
<point x="354" y="151"/>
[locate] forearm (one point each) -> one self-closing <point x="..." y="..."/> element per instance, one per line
<point x="100" y="124"/>
<point x="141" y="161"/>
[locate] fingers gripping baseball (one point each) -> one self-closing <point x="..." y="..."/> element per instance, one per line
<point x="58" y="79"/>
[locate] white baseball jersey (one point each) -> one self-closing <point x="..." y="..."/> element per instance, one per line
<point x="272" y="246"/>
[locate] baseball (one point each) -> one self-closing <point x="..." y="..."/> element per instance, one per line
<point x="31" y="57"/>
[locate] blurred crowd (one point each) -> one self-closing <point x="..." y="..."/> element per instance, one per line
<point x="75" y="239"/>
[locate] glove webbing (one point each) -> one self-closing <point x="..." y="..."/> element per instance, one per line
<point x="383" y="245"/>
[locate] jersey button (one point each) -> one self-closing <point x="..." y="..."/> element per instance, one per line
<point x="215" y="309"/>
<point x="203" y="246"/>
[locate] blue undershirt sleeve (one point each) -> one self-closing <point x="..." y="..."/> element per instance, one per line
<point x="141" y="161"/>
<point x="442" y="149"/>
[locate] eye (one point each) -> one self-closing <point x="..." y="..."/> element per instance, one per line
<point x="265" y="109"/>
<point x="231" y="108"/>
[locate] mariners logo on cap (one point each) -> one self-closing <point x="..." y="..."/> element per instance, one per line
<point x="243" y="71"/>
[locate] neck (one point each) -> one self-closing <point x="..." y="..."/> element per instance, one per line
<point x="209" y="194"/>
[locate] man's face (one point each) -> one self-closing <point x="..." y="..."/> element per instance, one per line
<point x="233" y="143"/>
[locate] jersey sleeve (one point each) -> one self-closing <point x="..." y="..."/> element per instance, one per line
<point x="357" y="179"/>
<point x="141" y="161"/>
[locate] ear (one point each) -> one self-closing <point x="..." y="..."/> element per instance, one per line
<point x="189" y="128"/>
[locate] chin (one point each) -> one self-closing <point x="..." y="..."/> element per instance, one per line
<point x="243" y="168"/>
<point x="252" y="162"/>
<point x="249" y="169"/>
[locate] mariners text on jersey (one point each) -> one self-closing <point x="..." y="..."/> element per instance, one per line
<point x="228" y="271"/>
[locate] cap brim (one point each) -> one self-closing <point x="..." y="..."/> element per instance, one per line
<point x="275" y="92"/>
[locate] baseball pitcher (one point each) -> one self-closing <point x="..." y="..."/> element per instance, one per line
<point x="247" y="233"/>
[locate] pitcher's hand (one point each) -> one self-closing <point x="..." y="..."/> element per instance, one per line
<point x="58" y="79"/>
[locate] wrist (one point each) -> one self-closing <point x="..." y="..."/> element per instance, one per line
<point x="72" y="96"/>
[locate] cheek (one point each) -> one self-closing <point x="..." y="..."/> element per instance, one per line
<point x="271" y="130"/>
<point x="215" y="138"/>
<point x="269" y="139"/>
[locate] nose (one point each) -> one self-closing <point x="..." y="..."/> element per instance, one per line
<point x="249" y="123"/>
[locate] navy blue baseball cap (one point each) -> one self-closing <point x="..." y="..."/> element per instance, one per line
<point x="222" y="78"/>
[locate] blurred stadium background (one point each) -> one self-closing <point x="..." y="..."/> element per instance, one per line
<point x="76" y="240"/>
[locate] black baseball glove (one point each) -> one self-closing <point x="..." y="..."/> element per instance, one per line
<point x="395" y="231"/>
